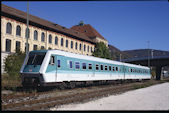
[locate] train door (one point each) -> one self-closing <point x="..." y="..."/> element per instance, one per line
<point x="58" y="66"/>
<point x="110" y="71"/>
<point x="51" y="69"/>
<point x="117" y="72"/>
<point x="124" y="72"/>
<point x="91" y="66"/>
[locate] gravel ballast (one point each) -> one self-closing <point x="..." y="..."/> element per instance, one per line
<point x="155" y="97"/>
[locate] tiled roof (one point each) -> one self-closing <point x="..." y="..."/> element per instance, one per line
<point x="88" y="30"/>
<point x="42" y="22"/>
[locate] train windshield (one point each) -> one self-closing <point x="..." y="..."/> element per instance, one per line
<point x="35" y="58"/>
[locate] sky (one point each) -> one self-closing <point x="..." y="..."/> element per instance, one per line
<point x="127" y="25"/>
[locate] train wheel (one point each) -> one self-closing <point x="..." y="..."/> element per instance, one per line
<point x="72" y="85"/>
<point x="62" y="85"/>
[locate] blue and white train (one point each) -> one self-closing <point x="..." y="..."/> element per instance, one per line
<point x="52" y="67"/>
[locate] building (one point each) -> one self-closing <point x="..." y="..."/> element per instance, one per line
<point x="42" y="34"/>
<point x="89" y="31"/>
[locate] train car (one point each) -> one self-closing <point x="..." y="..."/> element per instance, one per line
<point x="53" y="67"/>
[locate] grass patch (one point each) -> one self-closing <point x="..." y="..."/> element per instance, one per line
<point x="148" y="83"/>
<point x="10" y="82"/>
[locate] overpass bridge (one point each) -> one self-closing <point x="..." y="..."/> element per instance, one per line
<point x="157" y="61"/>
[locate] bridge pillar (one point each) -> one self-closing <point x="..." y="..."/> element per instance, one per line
<point x="158" y="72"/>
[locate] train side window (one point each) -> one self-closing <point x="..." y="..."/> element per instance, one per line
<point x="70" y="64"/>
<point x="90" y="66"/>
<point x="58" y="62"/>
<point x="83" y="65"/>
<point x="97" y="67"/>
<point x="113" y="69"/>
<point x="101" y="67"/>
<point x="116" y="68"/>
<point x="105" y="68"/>
<point x="52" y="60"/>
<point x="77" y="65"/>
<point x="109" y="68"/>
<point x="131" y="70"/>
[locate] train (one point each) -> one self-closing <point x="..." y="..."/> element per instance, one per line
<point x="42" y="68"/>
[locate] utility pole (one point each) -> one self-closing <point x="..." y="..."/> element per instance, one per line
<point x="27" y="32"/>
<point x="120" y="57"/>
<point x="152" y="54"/>
<point x="148" y="54"/>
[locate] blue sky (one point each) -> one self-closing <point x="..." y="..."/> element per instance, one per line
<point x="126" y="25"/>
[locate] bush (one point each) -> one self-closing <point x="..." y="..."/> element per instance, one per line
<point x="102" y="51"/>
<point x="10" y="82"/>
<point x="13" y="63"/>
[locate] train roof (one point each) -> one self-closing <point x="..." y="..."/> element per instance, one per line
<point x="84" y="57"/>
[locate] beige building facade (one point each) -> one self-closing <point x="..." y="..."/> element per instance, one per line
<point x="55" y="42"/>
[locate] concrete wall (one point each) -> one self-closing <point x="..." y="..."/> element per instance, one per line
<point x="3" y="56"/>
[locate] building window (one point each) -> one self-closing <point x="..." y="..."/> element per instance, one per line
<point x="8" y="45"/>
<point x="43" y="37"/>
<point x="56" y="40"/>
<point x="80" y="46"/>
<point x="25" y="47"/>
<point x="27" y="33"/>
<point x="35" y="47"/>
<point x="88" y="49"/>
<point x="72" y="44"/>
<point x="35" y="35"/>
<point x="18" y="45"/>
<point x="76" y="45"/>
<point x="18" y="30"/>
<point x="42" y="47"/>
<point x="91" y="50"/>
<point x="50" y="38"/>
<point x="61" y="41"/>
<point x="9" y="28"/>
<point x="84" y="47"/>
<point x="67" y="43"/>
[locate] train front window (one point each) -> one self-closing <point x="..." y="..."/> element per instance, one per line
<point x="35" y="59"/>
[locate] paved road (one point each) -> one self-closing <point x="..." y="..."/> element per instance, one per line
<point x="151" y="98"/>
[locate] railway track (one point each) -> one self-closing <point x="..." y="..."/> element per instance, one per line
<point x="46" y="100"/>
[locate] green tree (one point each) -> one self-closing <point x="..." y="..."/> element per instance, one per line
<point x="102" y="51"/>
<point x="13" y="63"/>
